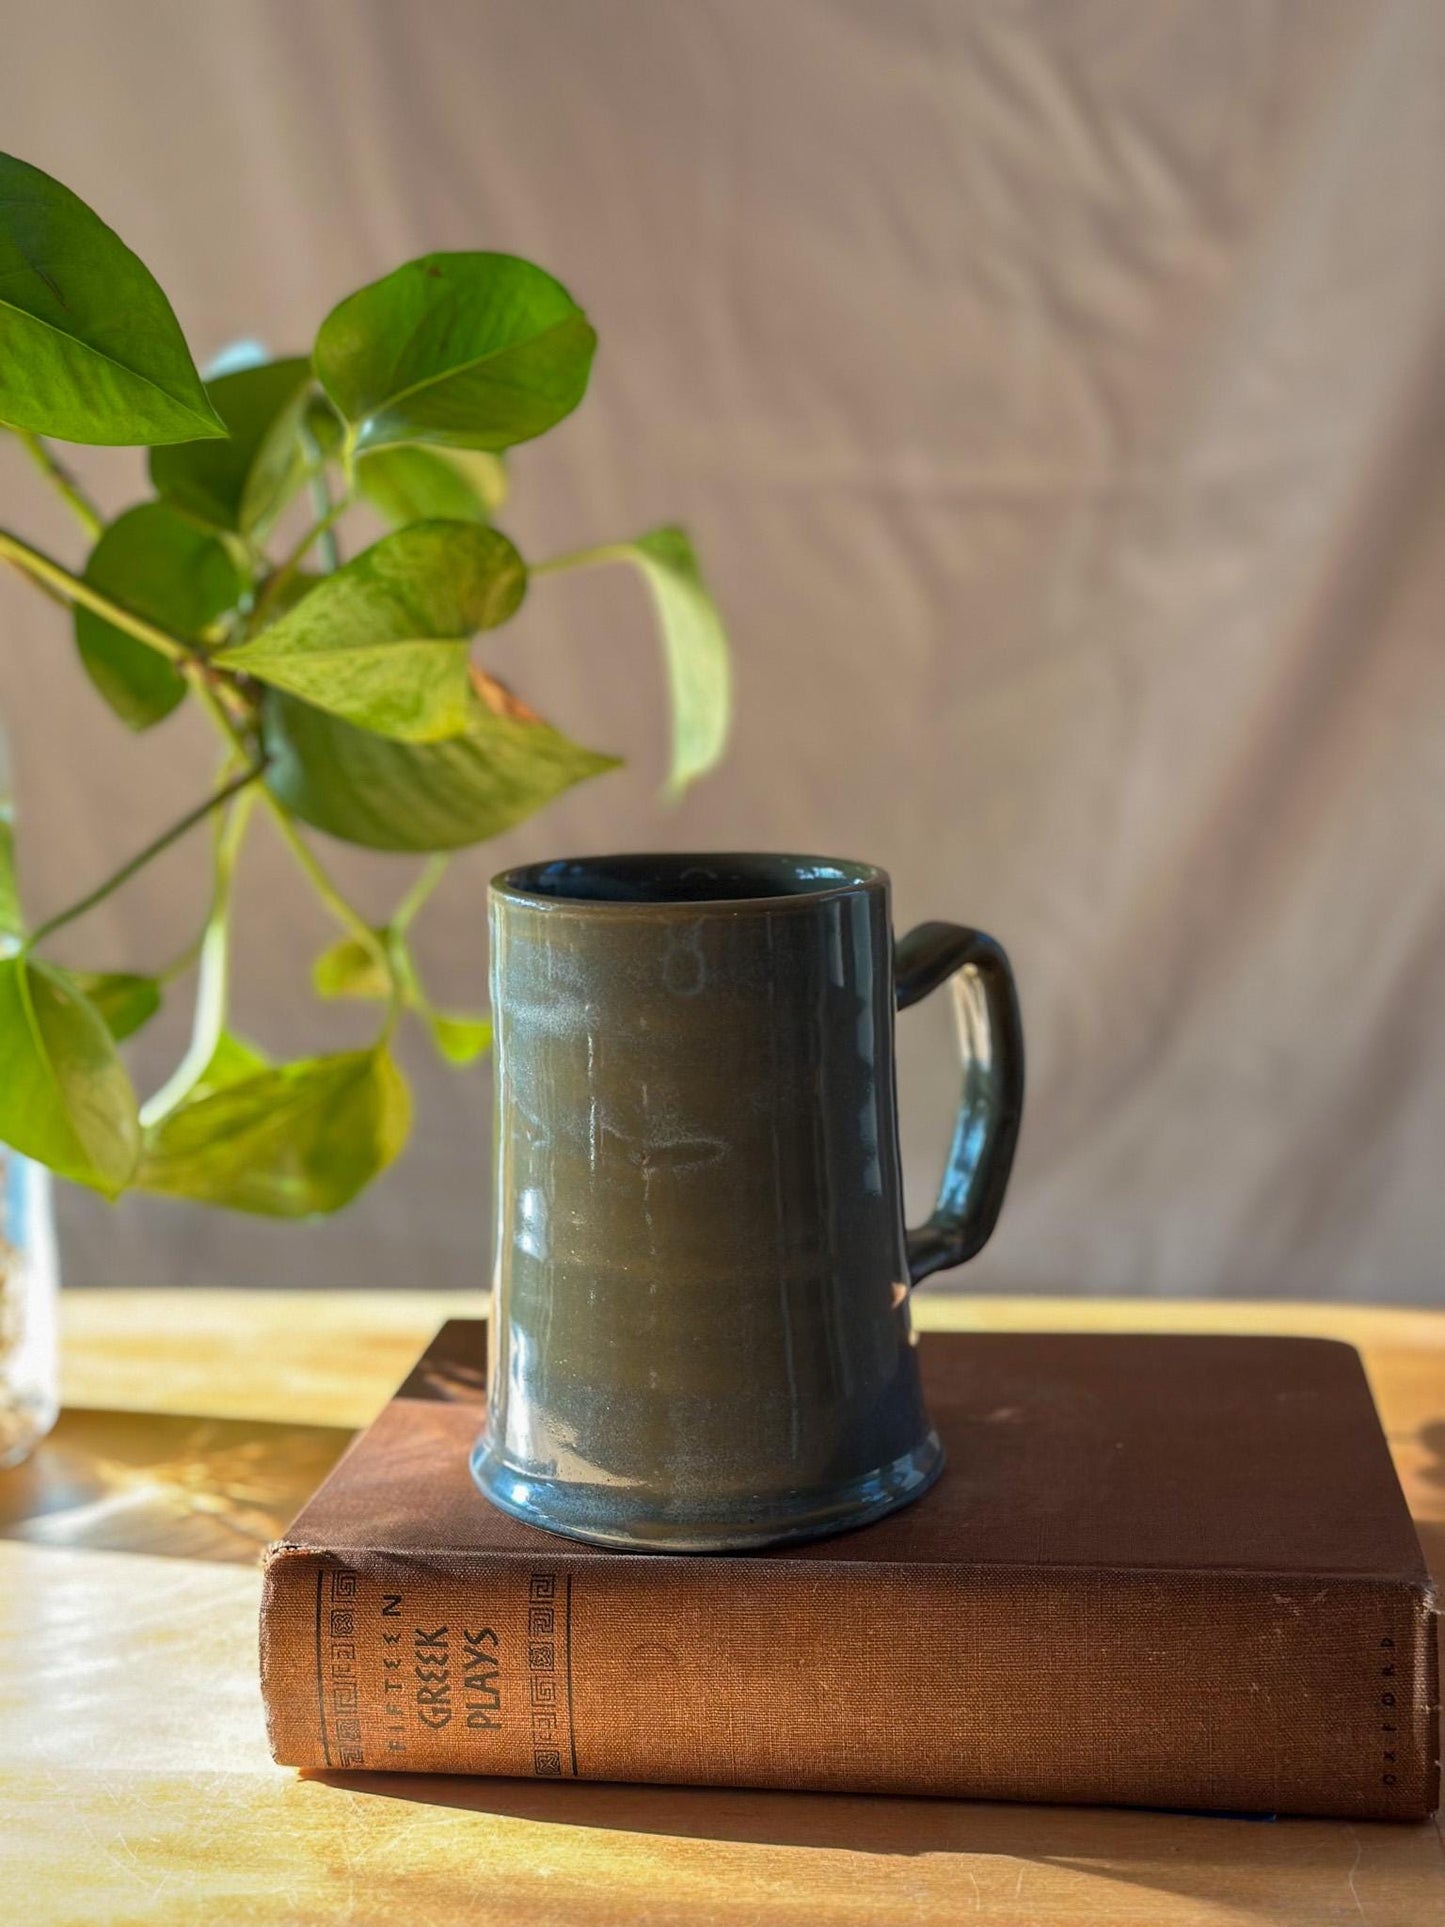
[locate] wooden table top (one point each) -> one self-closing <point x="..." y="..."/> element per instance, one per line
<point x="135" y="1785"/>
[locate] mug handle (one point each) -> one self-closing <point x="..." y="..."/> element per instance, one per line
<point x="991" y="1043"/>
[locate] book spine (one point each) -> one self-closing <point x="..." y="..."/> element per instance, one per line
<point x="1215" y="1691"/>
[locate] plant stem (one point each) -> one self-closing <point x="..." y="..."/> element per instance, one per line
<point x="50" y="575"/>
<point x="185" y="959"/>
<point x="147" y="855"/>
<point x="584" y="558"/>
<point x="406" y="911"/>
<point x="63" y="481"/>
<point x="211" y="702"/>
<point x="330" y="549"/>
<point x="345" y="913"/>
<point x="321" y="501"/>
<point x="286" y="568"/>
<point x="44" y="587"/>
<point x="213" y="984"/>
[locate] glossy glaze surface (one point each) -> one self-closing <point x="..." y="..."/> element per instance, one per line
<point x="701" y="1279"/>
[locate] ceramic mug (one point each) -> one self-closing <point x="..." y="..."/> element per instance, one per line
<point x="700" y="1335"/>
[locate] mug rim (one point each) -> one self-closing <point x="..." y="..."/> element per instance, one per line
<point x="518" y="884"/>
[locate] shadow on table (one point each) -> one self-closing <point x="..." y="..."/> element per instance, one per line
<point x="1205" y="1857"/>
<point x="164" y="1483"/>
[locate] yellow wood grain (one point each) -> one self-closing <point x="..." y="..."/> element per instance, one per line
<point x="135" y="1785"/>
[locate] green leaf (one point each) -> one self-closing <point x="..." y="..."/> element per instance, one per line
<point x="699" y="674"/>
<point x="349" y="969"/>
<point x="324" y="426"/>
<point x="412" y="796"/>
<point x="459" y="1038"/>
<point x="90" y="350"/>
<point x="242" y="484"/>
<point x="231" y="1062"/>
<point x="158" y="565"/>
<point x="292" y="1141"/>
<point x="415" y="484"/>
<point x="124" y="1001"/>
<point x="382" y="643"/>
<point x="464" y="350"/>
<point x="65" y="1099"/>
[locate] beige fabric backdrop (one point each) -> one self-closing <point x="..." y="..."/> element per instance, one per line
<point x="1055" y="393"/>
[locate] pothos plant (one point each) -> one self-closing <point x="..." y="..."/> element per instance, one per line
<point x="339" y="687"/>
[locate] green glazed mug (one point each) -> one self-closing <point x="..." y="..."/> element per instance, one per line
<point x="700" y="1335"/>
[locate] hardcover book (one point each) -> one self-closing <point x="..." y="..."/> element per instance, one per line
<point x="1160" y="1571"/>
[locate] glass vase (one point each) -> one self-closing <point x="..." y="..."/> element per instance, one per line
<point x="29" y="1307"/>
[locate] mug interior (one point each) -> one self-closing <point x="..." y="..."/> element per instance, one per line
<point x="679" y="877"/>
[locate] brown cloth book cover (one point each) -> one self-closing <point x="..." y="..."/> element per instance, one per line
<point x="1157" y="1571"/>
